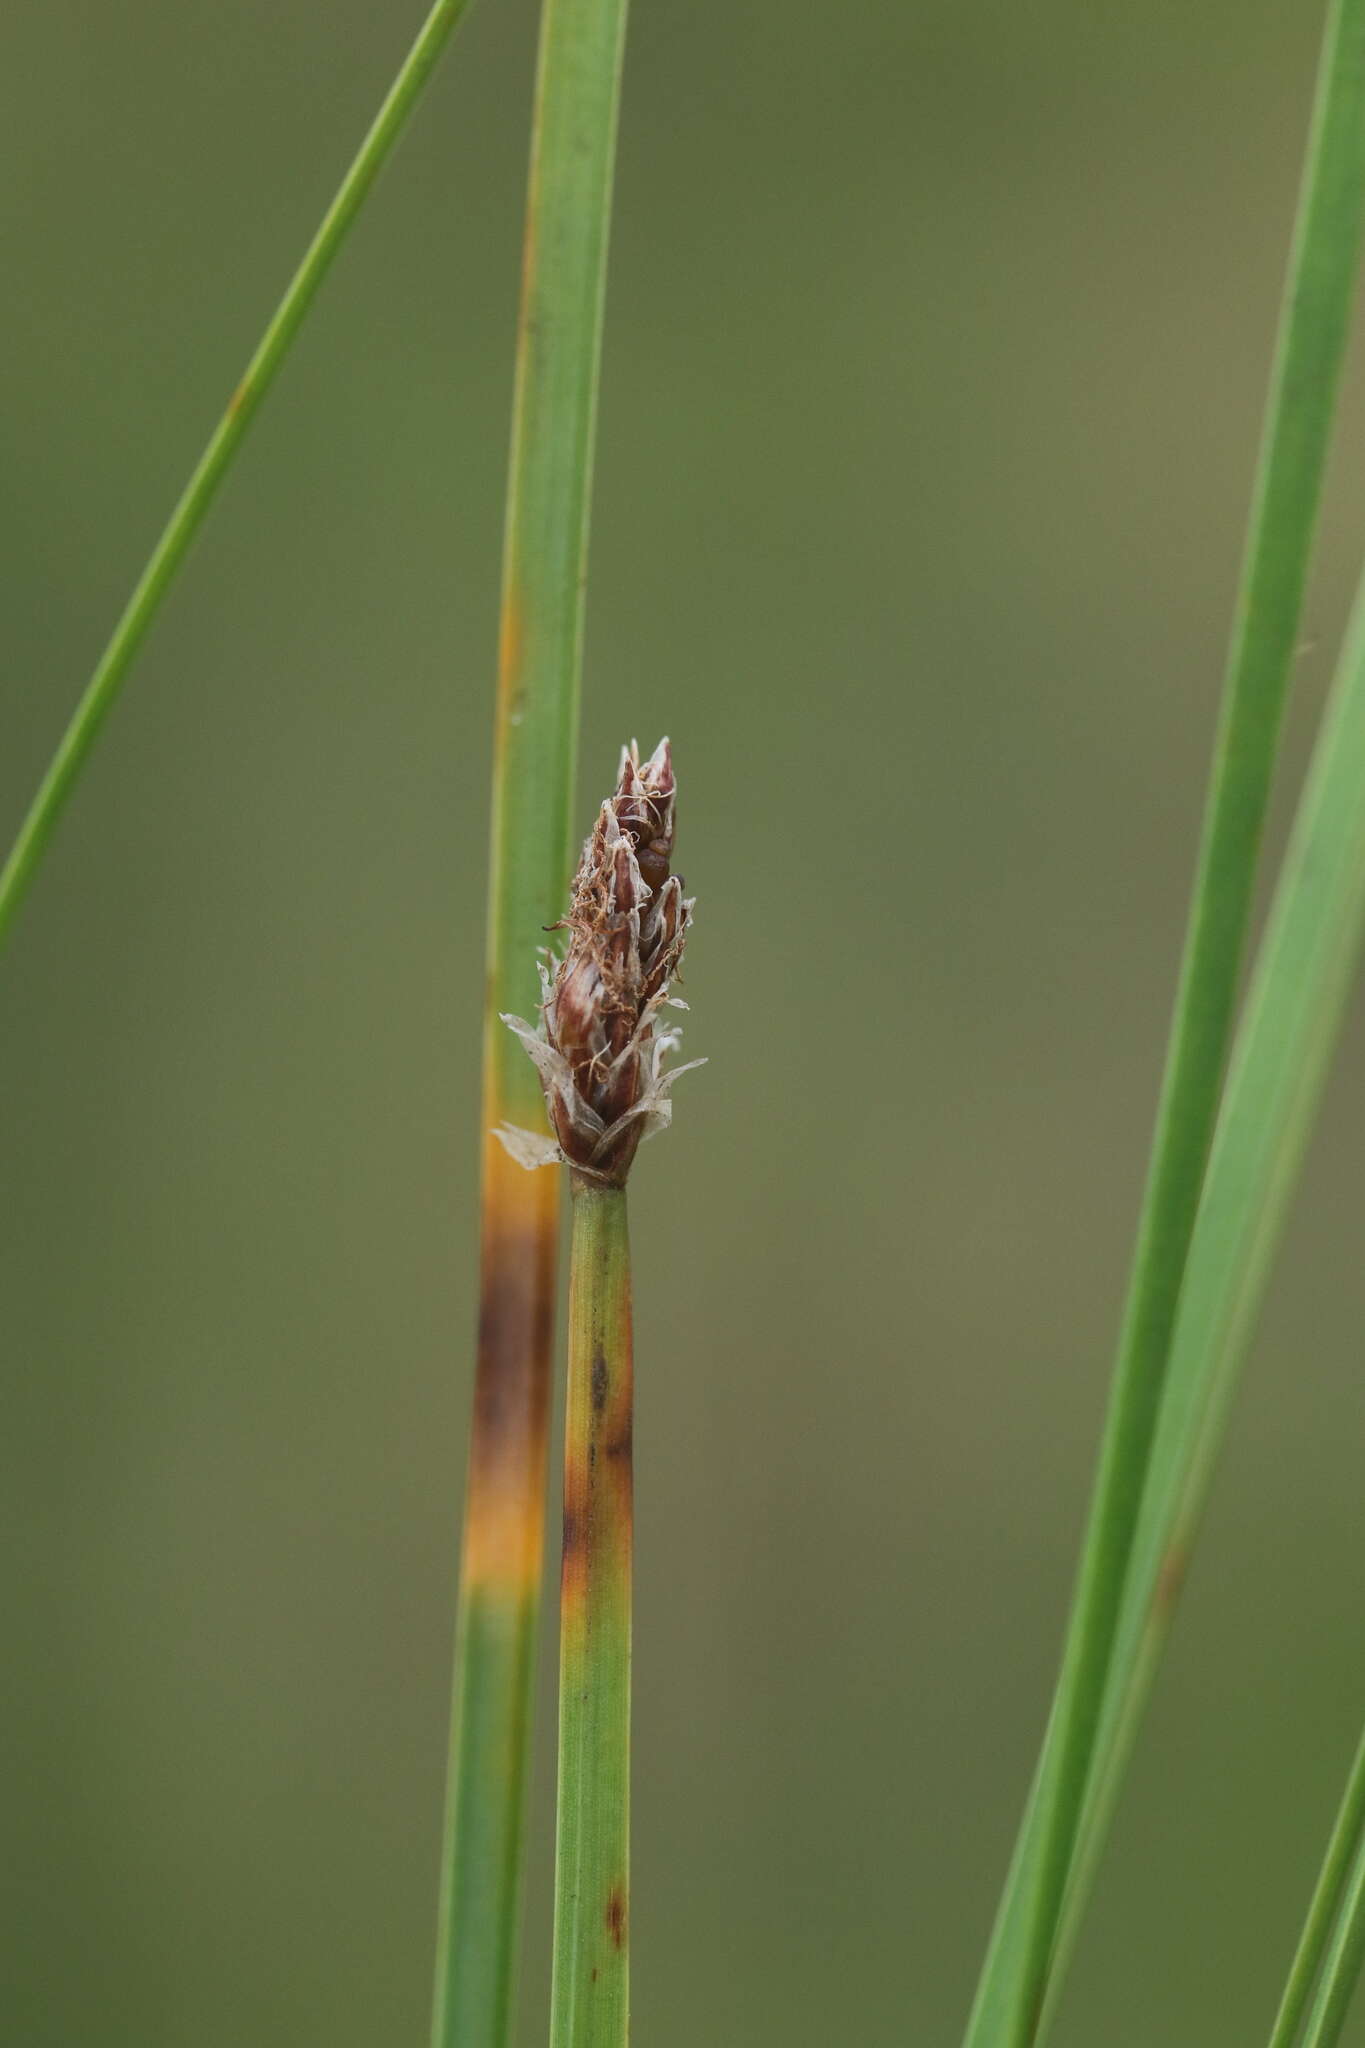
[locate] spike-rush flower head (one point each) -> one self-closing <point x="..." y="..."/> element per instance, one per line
<point x="598" y="1050"/>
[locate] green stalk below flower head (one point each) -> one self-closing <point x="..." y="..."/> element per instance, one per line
<point x="600" y="1055"/>
<point x="590" y="1991"/>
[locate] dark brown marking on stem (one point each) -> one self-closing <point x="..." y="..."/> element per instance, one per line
<point x="598" y="1503"/>
<point x="505" y="1503"/>
<point x="598" y="1477"/>
<point x="577" y="1525"/>
<point x="616" y="1916"/>
<point x="576" y="1556"/>
<point x="516" y="1332"/>
<point x="620" y="1444"/>
<point x="575" y="1542"/>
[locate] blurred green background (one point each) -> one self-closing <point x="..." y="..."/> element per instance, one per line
<point x="937" y="339"/>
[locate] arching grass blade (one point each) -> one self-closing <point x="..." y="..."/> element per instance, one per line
<point x="132" y="628"/>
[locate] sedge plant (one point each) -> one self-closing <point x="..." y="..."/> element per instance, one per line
<point x="1012" y="1990"/>
<point x="598" y="1084"/>
<point x="540" y="652"/>
<point x="599" y="1053"/>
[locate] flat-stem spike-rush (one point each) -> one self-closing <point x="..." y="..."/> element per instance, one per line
<point x="600" y="1054"/>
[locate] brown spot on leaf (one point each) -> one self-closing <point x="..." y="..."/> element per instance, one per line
<point x="516" y="1334"/>
<point x="601" y="1383"/>
<point x="511" y="1385"/>
<point x="620" y="1443"/>
<point x="573" y="1564"/>
<point x="616" y="1916"/>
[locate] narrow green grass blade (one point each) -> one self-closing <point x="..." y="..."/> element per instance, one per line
<point x="544" y="570"/>
<point x="1324" y="1940"/>
<point x="1011" y="1990"/>
<point x="185" y="521"/>
<point x="1293" y="1015"/>
<point x="590" y="1998"/>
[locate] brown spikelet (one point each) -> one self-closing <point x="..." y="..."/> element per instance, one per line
<point x="599" y="1052"/>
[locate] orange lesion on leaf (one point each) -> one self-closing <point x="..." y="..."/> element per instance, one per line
<point x="504" y="1516"/>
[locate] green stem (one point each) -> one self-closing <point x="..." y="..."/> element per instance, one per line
<point x="1326" y="1946"/>
<point x="591" y="1993"/>
<point x="184" y="522"/>
<point x="544" y="581"/>
<point x="1288" y="491"/>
